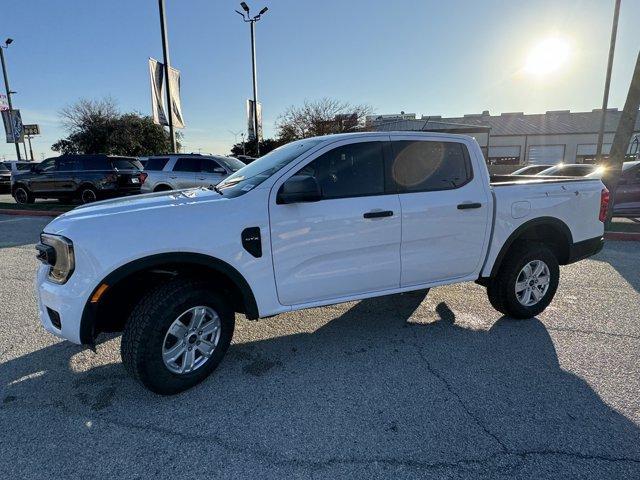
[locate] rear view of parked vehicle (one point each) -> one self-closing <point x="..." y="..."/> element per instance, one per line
<point x="173" y="172"/>
<point x="531" y="169"/>
<point x="5" y="178"/>
<point x="569" y="170"/>
<point x="79" y="177"/>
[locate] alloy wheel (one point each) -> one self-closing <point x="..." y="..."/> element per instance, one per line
<point x="532" y="283"/>
<point x="191" y="340"/>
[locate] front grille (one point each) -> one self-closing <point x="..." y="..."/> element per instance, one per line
<point x="55" y="318"/>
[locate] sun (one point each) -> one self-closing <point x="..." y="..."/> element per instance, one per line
<point x="548" y="56"/>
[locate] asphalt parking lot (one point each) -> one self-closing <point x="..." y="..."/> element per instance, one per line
<point x="396" y="387"/>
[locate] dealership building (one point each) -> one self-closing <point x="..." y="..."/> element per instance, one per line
<point x="518" y="139"/>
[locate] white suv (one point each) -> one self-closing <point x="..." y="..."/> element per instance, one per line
<point x="173" y="172"/>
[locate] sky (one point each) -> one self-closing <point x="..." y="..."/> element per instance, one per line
<point x="425" y="57"/>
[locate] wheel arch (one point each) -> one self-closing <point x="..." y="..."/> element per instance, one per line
<point x="162" y="187"/>
<point x="127" y="282"/>
<point x="549" y="230"/>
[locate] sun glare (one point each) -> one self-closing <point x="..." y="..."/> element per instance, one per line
<point x="547" y="56"/>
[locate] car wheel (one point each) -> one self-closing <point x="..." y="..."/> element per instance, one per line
<point x="88" y="194"/>
<point x="177" y="335"/>
<point x="526" y="282"/>
<point x="23" y="195"/>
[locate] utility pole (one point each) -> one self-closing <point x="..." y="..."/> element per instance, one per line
<point x="252" y="21"/>
<point x="623" y="135"/>
<point x="167" y="66"/>
<point x="8" y="42"/>
<point x="607" y="82"/>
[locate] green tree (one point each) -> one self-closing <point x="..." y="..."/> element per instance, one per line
<point x="97" y="126"/>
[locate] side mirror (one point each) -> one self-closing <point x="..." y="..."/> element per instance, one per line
<point x="299" y="188"/>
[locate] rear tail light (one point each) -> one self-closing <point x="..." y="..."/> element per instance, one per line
<point x="143" y="176"/>
<point x="604" y="204"/>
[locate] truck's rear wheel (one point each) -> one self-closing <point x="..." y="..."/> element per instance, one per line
<point x="177" y="335"/>
<point x="526" y="281"/>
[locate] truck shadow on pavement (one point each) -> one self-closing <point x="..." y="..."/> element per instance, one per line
<point x="386" y="384"/>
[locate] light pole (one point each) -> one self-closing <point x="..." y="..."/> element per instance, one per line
<point x="8" y="42"/>
<point x="247" y="18"/>
<point x="607" y="81"/>
<point x="167" y="66"/>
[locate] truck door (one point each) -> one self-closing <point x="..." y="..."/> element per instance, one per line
<point x="348" y="242"/>
<point x="42" y="180"/>
<point x="445" y="211"/>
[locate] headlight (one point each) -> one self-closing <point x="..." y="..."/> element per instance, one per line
<point x="57" y="252"/>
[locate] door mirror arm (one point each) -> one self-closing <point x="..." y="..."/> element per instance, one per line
<point x="299" y="189"/>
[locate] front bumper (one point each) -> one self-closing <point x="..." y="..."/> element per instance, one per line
<point x="65" y="300"/>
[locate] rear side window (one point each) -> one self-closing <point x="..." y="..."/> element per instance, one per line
<point x="424" y="166"/>
<point x="354" y="170"/>
<point x="155" y="164"/>
<point x="187" y="165"/>
<point x="126" y="164"/>
<point x="211" y="166"/>
<point x="95" y="163"/>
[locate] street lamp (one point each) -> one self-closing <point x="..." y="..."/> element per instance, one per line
<point x="8" y="42"/>
<point x="247" y="18"/>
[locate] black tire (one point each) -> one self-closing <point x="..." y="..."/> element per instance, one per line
<point x="87" y="194"/>
<point x="501" y="289"/>
<point x="23" y="195"/>
<point x="144" y="334"/>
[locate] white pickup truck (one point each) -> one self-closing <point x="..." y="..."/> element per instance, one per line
<point x="315" y="222"/>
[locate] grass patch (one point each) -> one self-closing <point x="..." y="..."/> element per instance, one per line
<point x="623" y="225"/>
<point x="49" y="207"/>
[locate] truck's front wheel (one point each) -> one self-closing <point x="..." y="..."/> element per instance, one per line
<point x="177" y="335"/>
<point x="526" y="281"/>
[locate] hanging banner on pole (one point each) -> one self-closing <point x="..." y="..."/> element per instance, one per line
<point x="176" y="106"/>
<point x="251" y="135"/>
<point x="158" y="108"/>
<point x="13" y="126"/>
<point x="156" y="76"/>
<point x="4" y="104"/>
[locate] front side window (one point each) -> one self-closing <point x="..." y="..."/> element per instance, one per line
<point x="68" y="164"/>
<point x="353" y="170"/>
<point x="211" y="166"/>
<point x="423" y="166"/>
<point x="187" y="164"/>
<point x="47" y="165"/>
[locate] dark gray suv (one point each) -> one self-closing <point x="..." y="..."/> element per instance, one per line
<point x="83" y="177"/>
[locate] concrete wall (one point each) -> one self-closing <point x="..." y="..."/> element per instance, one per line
<point x="570" y="142"/>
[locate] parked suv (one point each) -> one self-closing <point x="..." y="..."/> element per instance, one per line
<point x="173" y="172"/>
<point x="84" y="177"/>
<point x="16" y="166"/>
<point x="5" y="178"/>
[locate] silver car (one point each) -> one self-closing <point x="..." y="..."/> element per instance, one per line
<point x="173" y="172"/>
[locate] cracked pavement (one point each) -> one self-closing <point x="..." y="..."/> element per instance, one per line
<point x="405" y="386"/>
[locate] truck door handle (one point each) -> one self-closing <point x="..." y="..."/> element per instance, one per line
<point x="464" y="206"/>
<point x="379" y="214"/>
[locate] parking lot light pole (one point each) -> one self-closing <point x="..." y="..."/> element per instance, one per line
<point x="167" y="66"/>
<point x="252" y="21"/>
<point x="8" y="42"/>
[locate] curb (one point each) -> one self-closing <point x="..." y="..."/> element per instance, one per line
<point x="31" y="213"/>
<point x="623" y="236"/>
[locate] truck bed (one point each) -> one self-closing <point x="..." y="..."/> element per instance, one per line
<point x="500" y="180"/>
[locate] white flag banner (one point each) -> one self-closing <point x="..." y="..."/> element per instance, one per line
<point x="251" y="122"/>
<point x="176" y="106"/>
<point x="13" y="126"/>
<point x="156" y="76"/>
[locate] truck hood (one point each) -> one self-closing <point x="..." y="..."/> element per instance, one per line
<point x="137" y="203"/>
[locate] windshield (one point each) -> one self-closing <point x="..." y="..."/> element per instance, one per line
<point x="231" y="163"/>
<point x="255" y="173"/>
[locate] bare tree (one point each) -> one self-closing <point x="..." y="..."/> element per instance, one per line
<point x="320" y="117"/>
<point x="87" y="112"/>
